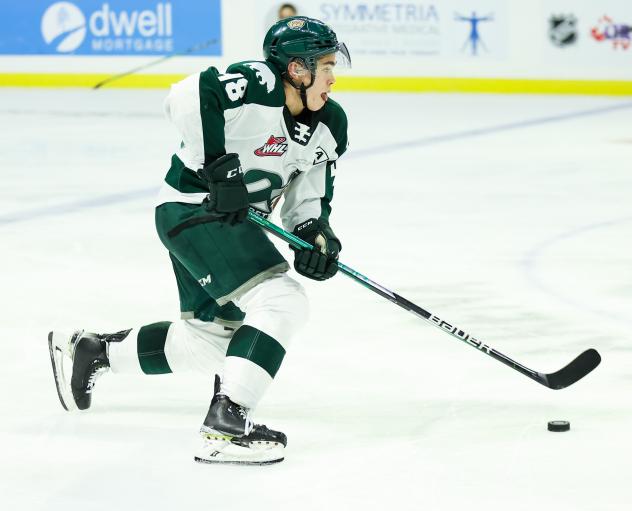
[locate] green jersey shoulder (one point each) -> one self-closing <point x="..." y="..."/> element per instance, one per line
<point x="250" y="82"/>
<point x="333" y="116"/>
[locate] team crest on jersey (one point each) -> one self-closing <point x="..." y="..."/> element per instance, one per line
<point x="296" y="24"/>
<point x="302" y="133"/>
<point x="275" y="146"/>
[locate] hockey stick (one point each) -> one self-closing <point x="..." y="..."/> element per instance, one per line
<point x="566" y="376"/>
<point x="192" y="49"/>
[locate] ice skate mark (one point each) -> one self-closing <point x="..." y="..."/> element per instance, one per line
<point x="532" y="258"/>
<point x="478" y="132"/>
<point x="118" y="198"/>
<point x="75" y="206"/>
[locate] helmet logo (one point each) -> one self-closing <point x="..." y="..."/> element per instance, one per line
<point x="296" y="24"/>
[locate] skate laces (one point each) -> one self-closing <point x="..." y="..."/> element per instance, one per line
<point x="248" y="424"/>
<point x="96" y="372"/>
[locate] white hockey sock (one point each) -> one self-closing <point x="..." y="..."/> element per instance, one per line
<point x="194" y="345"/>
<point x="123" y="355"/>
<point x="159" y="348"/>
<point x="275" y="310"/>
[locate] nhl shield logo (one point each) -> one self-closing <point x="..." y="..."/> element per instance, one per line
<point x="563" y="30"/>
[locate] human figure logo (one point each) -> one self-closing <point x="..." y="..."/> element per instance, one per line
<point x="474" y="39"/>
<point x="64" y="26"/>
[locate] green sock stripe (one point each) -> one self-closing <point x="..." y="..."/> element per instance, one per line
<point x="151" y="348"/>
<point x="258" y="347"/>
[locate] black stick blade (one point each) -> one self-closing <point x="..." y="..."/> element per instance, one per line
<point x="574" y="371"/>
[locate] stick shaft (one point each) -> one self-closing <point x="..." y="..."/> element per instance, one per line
<point x="434" y="320"/>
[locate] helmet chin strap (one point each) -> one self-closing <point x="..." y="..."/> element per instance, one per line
<point x="302" y="88"/>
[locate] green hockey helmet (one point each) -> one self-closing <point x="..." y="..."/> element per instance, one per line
<point x="303" y="39"/>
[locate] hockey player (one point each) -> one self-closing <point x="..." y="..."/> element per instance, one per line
<point x="258" y="131"/>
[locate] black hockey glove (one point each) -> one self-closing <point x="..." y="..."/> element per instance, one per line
<point x="228" y="197"/>
<point x="322" y="262"/>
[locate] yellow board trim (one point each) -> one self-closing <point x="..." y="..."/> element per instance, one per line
<point x="347" y="83"/>
<point x="486" y="85"/>
<point x="87" y="80"/>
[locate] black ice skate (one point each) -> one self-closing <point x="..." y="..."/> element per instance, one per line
<point x="229" y="436"/>
<point x="78" y="360"/>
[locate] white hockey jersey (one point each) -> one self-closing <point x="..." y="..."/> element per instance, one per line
<point x="243" y="111"/>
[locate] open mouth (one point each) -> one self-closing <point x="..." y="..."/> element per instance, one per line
<point x="324" y="96"/>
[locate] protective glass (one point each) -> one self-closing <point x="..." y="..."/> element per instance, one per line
<point x="331" y="66"/>
<point x="343" y="58"/>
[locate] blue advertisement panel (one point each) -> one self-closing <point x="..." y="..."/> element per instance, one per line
<point x="110" y="27"/>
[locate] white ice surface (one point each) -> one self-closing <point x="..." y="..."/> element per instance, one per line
<point x="519" y="232"/>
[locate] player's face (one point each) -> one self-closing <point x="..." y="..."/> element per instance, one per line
<point x="317" y="94"/>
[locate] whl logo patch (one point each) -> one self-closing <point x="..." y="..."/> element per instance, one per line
<point x="275" y="146"/>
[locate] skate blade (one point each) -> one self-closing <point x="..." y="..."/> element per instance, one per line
<point x="236" y="462"/>
<point x="221" y="450"/>
<point x="57" y="358"/>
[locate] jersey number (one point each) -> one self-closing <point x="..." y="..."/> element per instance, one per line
<point x="236" y="86"/>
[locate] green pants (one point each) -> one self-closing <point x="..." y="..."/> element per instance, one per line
<point x="214" y="262"/>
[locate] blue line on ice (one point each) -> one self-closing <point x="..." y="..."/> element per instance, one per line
<point x="107" y="200"/>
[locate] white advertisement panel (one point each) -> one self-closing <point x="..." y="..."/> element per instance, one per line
<point x="379" y="29"/>
<point x="406" y="35"/>
<point x="546" y="39"/>
<point x="596" y="35"/>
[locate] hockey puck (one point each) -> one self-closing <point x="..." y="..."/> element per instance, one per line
<point x="559" y="426"/>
